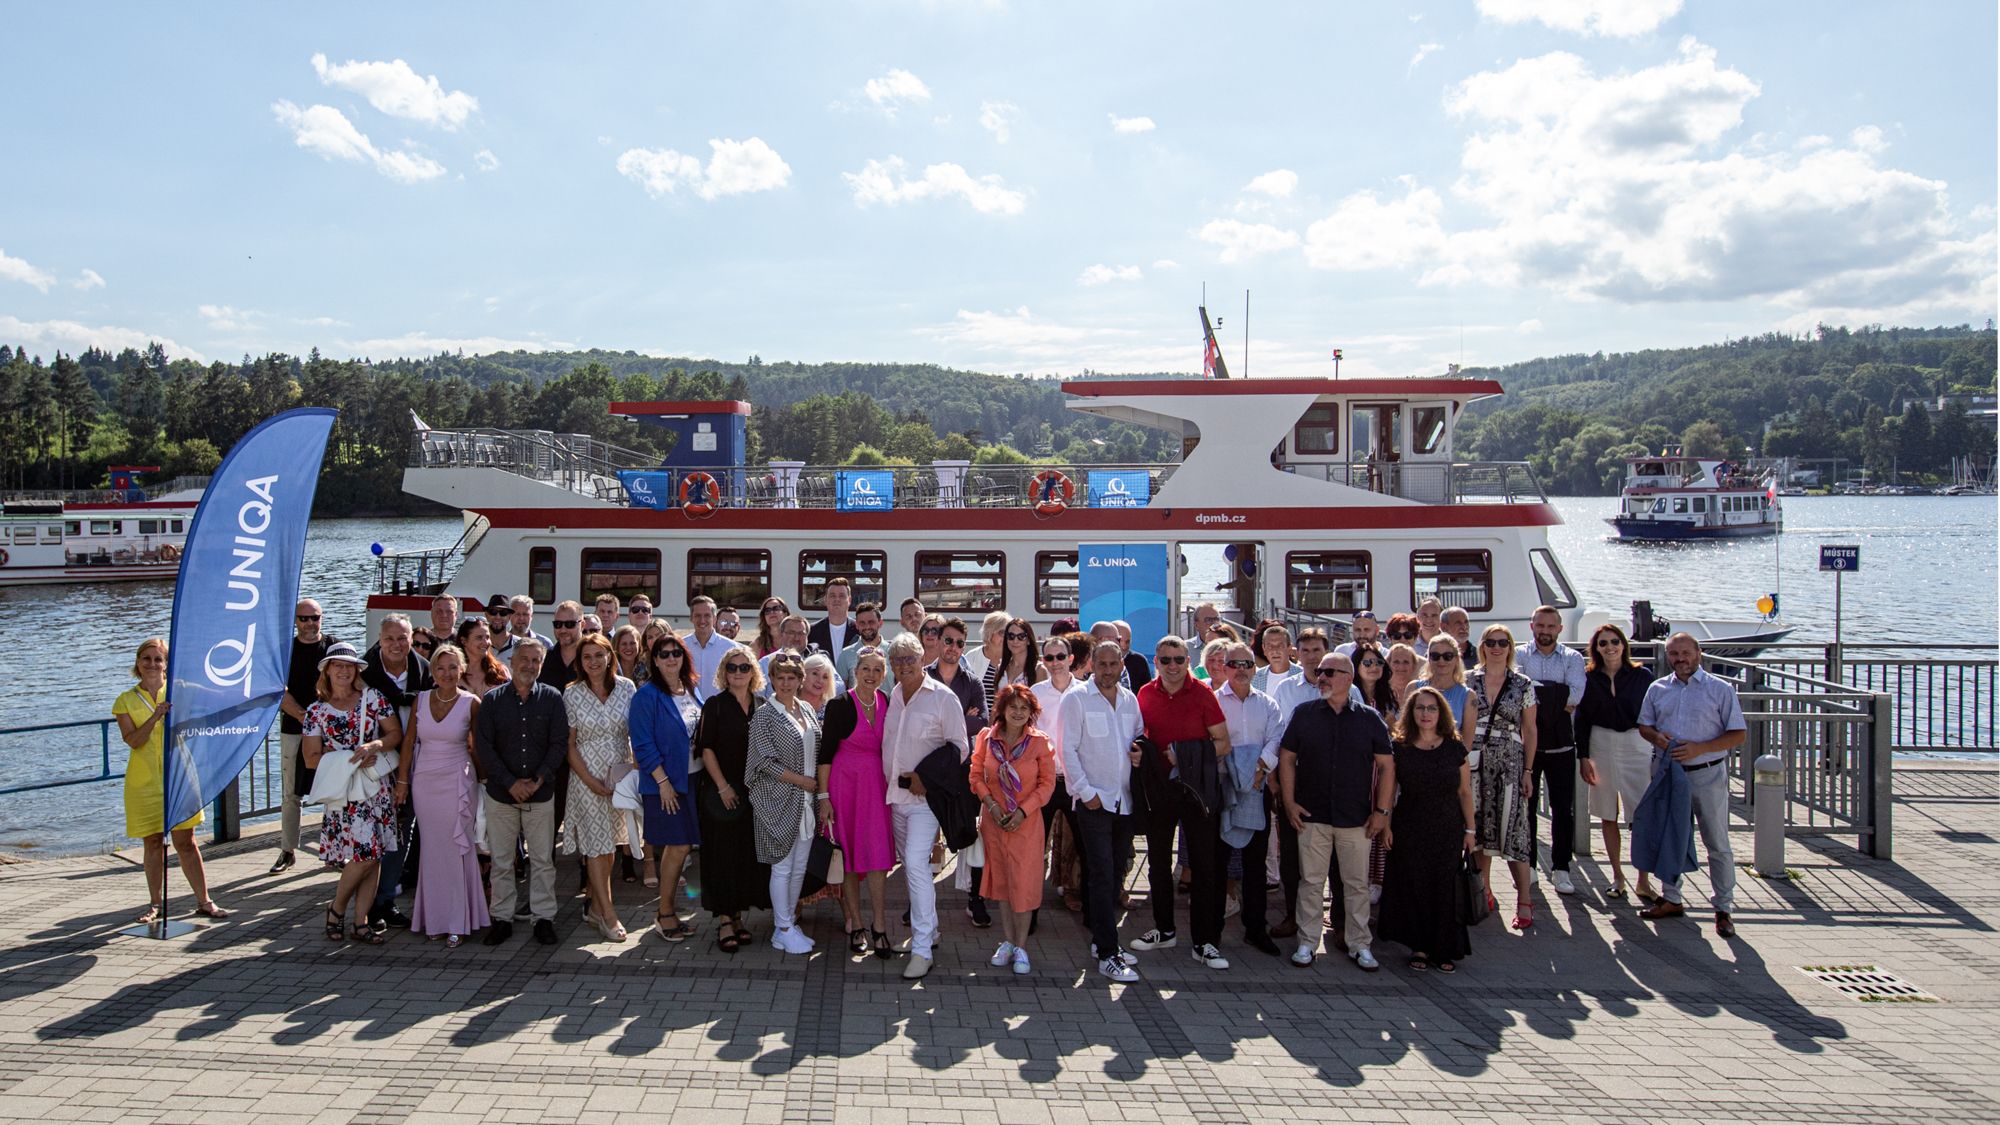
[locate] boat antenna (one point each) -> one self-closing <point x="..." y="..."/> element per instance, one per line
<point x="1246" y="333"/>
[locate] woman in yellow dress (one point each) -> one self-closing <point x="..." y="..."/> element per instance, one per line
<point x="142" y="722"/>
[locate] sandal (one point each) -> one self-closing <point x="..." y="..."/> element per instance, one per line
<point x="454" y="941"/>
<point x="881" y="945"/>
<point x="857" y="940"/>
<point x="1446" y="967"/>
<point x="153" y="914"/>
<point x="727" y="941"/>
<point x="1524" y="915"/>
<point x="1648" y="896"/>
<point x="743" y="934"/>
<point x="679" y="931"/>
<point x="210" y="910"/>
<point x="367" y="935"/>
<point x="1617" y="891"/>
<point x="1419" y="964"/>
<point x="336" y="926"/>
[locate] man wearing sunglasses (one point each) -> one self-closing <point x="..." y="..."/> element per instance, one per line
<point x="559" y="669"/>
<point x="309" y="646"/>
<point x="1182" y="717"/>
<point x="1255" y="728"/>
<point x="1326" y="761"/>
<point x="923" y="715"/>
<point x="500" y="620"/>
<point x="949" y="670"/>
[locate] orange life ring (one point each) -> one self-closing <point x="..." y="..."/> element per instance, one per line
<point x="3" y="556"/>
<point x="168" y="552"/>
<point x="705" y="493"/>
<point x="1051" y="491"/>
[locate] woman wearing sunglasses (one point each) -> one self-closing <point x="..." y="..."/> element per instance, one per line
<point x="769" y="616"/>
<point x="1504" y="742"/>
<point x="1446" y="673"/>
<point x="783" y="771"/>
<point x="732" y="880"/>
<point x="1615" y="761"/>
<point x="665" y="717"/>
<point x="1431" y="829"/>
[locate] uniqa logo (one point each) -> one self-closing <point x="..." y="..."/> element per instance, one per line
<point x="253" y="519"/>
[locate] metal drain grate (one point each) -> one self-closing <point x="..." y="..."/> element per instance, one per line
<point x="1868" y="983"/>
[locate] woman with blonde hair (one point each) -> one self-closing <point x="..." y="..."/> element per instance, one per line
<point x="732" y="880"/>
<point x="629" y="646"/>
<point x="141" y="711"/>
<point x="1447" y="675"/>
<point x="783" y="771"/>
<point x="1504" y="744"/>
<point x="439" y="773"/>
<point x="600" y="743"/>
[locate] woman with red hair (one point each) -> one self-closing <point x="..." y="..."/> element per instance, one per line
<point x="1013" y="774"/>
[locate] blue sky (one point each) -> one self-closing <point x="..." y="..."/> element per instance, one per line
<point x="1003" y="186"/>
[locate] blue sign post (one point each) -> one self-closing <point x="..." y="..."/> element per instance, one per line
<point x="1125" y="582"/>
<point x="1838" y="558"/>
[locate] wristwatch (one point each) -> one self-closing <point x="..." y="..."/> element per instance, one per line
<point x="1381" y="812"/>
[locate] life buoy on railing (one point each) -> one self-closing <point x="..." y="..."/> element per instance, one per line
<point x="1051" y="491"/>
<point x="3" y="556"/>
<point x="698" y="495"/>
<point x="168" y="552"/>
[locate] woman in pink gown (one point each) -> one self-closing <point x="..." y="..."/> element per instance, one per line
<point x="437" y="767"/>
<point x="854" y="803"/>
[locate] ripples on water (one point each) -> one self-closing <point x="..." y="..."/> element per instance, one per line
<point x="1929" y="571"/>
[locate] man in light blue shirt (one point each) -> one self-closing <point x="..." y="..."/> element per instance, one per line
<point x="1694" y="720"/>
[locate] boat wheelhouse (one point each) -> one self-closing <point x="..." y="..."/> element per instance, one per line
<point x="126" y="533"/>
<point x="1676" y="496"/>
<point x="1331" y="495"/>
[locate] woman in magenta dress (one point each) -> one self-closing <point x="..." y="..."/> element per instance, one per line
<point x="854" y="799"/>
<point x="438" y="778"/>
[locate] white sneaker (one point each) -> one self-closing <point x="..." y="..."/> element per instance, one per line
<point x="1154" y="939"/>
<point x="1302" y="956"/>
<point x="1365" y="959"/>
<point x="1210" y="956"/>
<point x="916" y="968"/>
<point x="1117" y="970"/>
<point x="1564" y="885"/>
<point x="1002" y="955"/>
<point x="1021" y="967"/>
<point x="1122" y="956"/>
<point x="1231" y="907"/>
<point x="792" y="940"/>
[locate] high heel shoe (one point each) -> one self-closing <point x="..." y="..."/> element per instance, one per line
<point x="1524" y="915"/>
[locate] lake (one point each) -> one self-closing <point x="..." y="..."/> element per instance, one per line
<point x="1930" y="568"/>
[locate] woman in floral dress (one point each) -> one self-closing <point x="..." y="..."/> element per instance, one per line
<point x="1504" y="744"/>
<point x="353" y="720"/>
<point x="599" y="705"/>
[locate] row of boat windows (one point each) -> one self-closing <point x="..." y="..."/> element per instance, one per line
<point x="1682" y="505"/>
<point x="1332" y="582"/>
<point x="24" y="534"/>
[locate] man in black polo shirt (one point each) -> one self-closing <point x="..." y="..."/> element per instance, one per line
<point x="301" y="691"/>
<point x="1326" y="762"/>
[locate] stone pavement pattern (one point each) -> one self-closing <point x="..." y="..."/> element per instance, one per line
<point x="1592" y="1016"/>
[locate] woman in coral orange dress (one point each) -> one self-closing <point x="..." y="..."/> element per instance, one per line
<point x="1013" y="774"/>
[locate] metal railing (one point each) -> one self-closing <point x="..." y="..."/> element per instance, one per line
<point x="1441" y="482"/>
<point x="257" y="792"/>
<point x="427" y="570"/>
<point x="110" y="495"/>
<point x="1947" y="696"/>
<point x="578" y="462"/>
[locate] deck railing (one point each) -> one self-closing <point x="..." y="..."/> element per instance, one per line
<point x="81" y="753"/>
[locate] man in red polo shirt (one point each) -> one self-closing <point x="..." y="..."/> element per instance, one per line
<point x="1182" y="718"/>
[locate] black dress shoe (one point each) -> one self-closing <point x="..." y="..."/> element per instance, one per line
<point x="545" y="931"/>
<point x="975" y="909"/>
<point x="390" y="916"/>
<point x="498" y="933"/>
<point x="286" y="861"/>
<point x="1261" y="942"/>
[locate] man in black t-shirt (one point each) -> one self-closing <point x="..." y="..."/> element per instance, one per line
<point x="301" y="684"/>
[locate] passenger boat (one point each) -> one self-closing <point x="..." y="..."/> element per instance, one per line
<point x="126" y="533"/>
<point x="1675" y="496"/>
<point x="1334" y="495"/>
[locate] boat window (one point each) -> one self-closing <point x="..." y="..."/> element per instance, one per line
<point x="1701" y="503"/>
<point x="24" y="534"/>
<point x="623" y="571"/>
<point x="1551" y="584"/>
<point x="103" y="527"/>
<point x="73" y="527"/>
<point x="149" y="527"/>
<point x="1680" y="505"/>
<point x="737" y="579"/>
<point x="542" y="575"/>
<point x="53" y="533"/>
<point x="1318" y="430"/>
<point x="1056" y="589"/>
<point x="867" y="573"/>
<point x="1328" y="581"/>
<point x="962" y="579"/>
<point x="176" y="527"/>
<point x="1427" y="429"/>
<point x="1457" y="578"/>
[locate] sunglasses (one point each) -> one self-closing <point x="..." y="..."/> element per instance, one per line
<point x="1170" y="660"/>
<point x="1609" y="643"/>
<point x="564" y="624"/>
<point x="1239" y="663"/>
<point x="1323" y="673"/>
<point x="736" y="667"/>
<point x="666" y="652"/>
<point x="953" y="642"/>
<point x="1402" y="635"/>
<point x="639" y="611"/>
<point x="1444" y="657"/>
<point x="1064" y="655"/>
<point x="1013" y="636"/>
<point x="769" y="609"/>
<point x="1496" y="642"/>
<point x="1371" y="664"/>
<point x="933" y="631"/>
<point x="308" y="617"/>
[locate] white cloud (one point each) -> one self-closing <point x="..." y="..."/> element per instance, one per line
<point x="1424" y="51"/>
<point x="485" y="159"/>
<point x="885" y="182"/>
<point x="72" y="337"/>
<point x="224" y="318"/>
<point x="1529" y="326"/>
<point x="734" y="168"/>
<point x="16" y="269"/>
<point x="998" y="119"/>
<point x="1100" y="274"/>
<point x="895" y="89"/>
<point x="327" y="131"/>
<point x="1622" y="18"/>
<point x="1240" y="240"/>
<point x="1278" y="183"/>
<point x="86" y="280"/>
<point x="1634" y="187"/>
<point x="1131" y="124"/>
<point x="1166" y="264"/>
<point x="1017" y="340"/>
<point x="395" y="89"/>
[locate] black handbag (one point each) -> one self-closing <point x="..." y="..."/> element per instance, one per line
<point x="1472" y="908"/>
<point x="709" y="804"/>
<point x="822" y="865"/>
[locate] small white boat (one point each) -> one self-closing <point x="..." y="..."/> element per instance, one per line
<point x="125" y="533"/>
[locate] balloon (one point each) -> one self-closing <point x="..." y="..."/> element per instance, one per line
<point x="375" y="548"/>
<point x="1229" y="552"/>
<point x="1249" y="568"/>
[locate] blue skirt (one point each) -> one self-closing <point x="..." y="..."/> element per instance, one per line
<point x="671" y="829"/>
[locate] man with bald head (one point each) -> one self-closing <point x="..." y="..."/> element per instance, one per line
<point x="309" y="644"/>
<point x="1694" y="720"/>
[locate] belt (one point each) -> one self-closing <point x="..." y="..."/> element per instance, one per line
<point x="1704" y="765"/>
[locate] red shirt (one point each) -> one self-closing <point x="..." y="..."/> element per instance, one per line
<point x="1184" y="715"/>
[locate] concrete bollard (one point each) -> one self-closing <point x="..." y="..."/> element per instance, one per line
<point x="1768" y="815"/>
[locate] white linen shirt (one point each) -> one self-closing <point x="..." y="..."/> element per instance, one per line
<point x="707" y="661"/>
<point x="1050" y="721"/>
<point x="1096" y="741"/>
<point x="910" y="731"/>
<point x="1256" y="721"/>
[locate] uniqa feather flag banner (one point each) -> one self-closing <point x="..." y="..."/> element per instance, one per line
<point x="239" y="584"/>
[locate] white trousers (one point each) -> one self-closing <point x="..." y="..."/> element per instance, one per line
<point x="788" y="875"/>
<point x="916" y="830"/>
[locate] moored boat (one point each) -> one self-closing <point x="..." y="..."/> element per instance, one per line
<point x="1674" y="496"/>
<point x="126" y="533"/>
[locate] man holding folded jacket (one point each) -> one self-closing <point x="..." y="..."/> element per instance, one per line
<point x="1180" y="778"/>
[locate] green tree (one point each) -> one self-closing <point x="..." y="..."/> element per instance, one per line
<point x="1706" y="439"/>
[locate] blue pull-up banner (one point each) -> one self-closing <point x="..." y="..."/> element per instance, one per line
<point x="864" y="490"/>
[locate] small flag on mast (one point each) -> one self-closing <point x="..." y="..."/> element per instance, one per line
<point x="1212" y="366"/>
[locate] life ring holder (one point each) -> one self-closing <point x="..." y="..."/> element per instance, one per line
<point x="704" y="489"/>
<point x="168" y="552"/>
<point x="1051" y="491"/>
<point x="3" y="556"/>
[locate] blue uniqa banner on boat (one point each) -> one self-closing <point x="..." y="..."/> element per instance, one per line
<point x="1120" y="489"/>
<point x="1125" y="582"/>
<point x="864" y="490"/>
<point x="239" y="585"/>
<point x="648" y="490"/>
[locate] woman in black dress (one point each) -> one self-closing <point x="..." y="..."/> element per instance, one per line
<point x="1429" y="833"/>
<point x="732" y="880"/>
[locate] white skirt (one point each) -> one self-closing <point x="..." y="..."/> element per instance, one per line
<point x="1624" y="761"/>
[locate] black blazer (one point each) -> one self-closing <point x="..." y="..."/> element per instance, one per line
<point x="820" y="637"/>
<point x="948" y="791"/>
<point x="1137" y="670"/>
<point x="418" y="679"/>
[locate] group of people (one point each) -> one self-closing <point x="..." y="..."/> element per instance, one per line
<point x="447" y="756"/>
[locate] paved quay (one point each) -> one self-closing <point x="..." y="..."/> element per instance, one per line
<point x="1592" y="1016"/>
